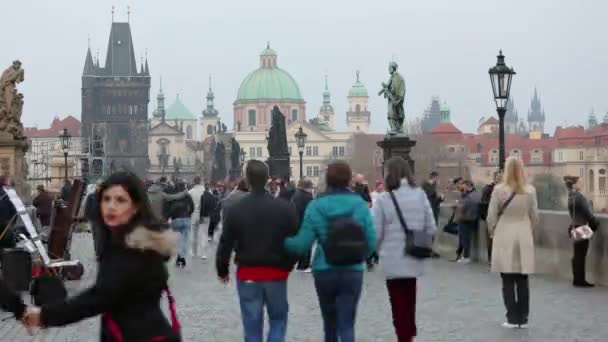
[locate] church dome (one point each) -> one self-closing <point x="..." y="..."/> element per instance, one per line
<point x="444" y="107"/>
<point x="269" y="82"/>
<point x="358" y="89"/>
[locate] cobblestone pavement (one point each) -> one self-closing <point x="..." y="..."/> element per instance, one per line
<point x="455" y="303"/>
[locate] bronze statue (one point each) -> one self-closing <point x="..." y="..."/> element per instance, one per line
<point x="235" y="154"/>
<point x="219" y="165"/>
<point x="277" y="135"/>
<point x="11" y="102"/>
<point x="394" y="92"/>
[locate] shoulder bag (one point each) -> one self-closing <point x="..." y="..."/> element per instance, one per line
<point x="413" y="248"/>
<point x="502" y="209"/>
<point x="579" y="233"/>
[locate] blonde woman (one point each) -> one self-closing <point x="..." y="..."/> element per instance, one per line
<point x="512" y="216"/>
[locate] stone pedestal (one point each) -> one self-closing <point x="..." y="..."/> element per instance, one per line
<point x="397" y="145"/>
<point x="279" y="167"/>
<point x="12" y="162"/>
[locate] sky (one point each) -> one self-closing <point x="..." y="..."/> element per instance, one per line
<point x="444" y="48"/>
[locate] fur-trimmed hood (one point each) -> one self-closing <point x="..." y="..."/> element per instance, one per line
<point x="163" y="242"/>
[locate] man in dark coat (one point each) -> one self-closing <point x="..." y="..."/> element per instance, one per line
<point x="44" y="208"/>
<point x="66" y="190"/>
<point x="8" y="216"/>
<point x="255" y="228"/>
<point x="435" y="199"/>
<point x="302" y="197"/>
<point x="10" y="301"/>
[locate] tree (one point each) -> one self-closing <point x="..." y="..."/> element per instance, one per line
<point x="549" y="191"/>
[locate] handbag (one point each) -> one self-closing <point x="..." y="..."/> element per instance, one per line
<point x="451" y="227"/>
<point x="413" y="247"/>
<point x="579" y="233"/>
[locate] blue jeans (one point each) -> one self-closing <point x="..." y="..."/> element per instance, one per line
<point x="253" y="296"/>
<point x="464" y="240"/>
<point x="339" y="292"/>
<point x="182" y="226"/>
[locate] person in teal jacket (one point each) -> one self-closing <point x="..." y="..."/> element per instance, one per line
<point x="338" y="287"/>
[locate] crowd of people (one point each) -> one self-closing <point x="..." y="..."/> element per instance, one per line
<point x="268" y="227"/>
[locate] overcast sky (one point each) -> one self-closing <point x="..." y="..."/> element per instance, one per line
<point x="443" y="47"/>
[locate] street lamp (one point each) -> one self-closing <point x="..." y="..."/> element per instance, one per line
<point x="66" y="139"/>
<point x="301" y="142"/>
<point x="501" y="76"/>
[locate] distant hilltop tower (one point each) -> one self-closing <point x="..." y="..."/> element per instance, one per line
<point x="326" y="113"/>
<point x="358" y="116"/>
<point x="536" y="118"/>
<point x="210" y="117"/>
<point x="115" y="107"/>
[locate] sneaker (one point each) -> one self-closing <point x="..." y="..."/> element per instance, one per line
<point x="204" y="257"/>
<point x="583" y="284"/>
<point x="210" y="240"/>
<point x="464" y="261"/>
<point x="510" y="325"/>
<point x="308" y="270"/>
<point x="523" y="326"/>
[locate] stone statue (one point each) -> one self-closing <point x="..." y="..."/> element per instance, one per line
<point x="11" y="102"/>
<point x="277" y="135"/>
<point x="235" y="154"/>
<point x="394" y="92"/>
<point x="219" y="166"/>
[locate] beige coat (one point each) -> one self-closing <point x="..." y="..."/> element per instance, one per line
<point x="513" y="247"/>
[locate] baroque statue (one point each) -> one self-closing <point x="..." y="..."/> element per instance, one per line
<point x="277" y="135"/>
<point x="219" y="165"/>
<point x="235" y="154"/>
<point x="394" y="92"/>
<point x="11" y="102"/>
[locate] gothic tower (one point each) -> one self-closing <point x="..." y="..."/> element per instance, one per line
<point x="536" y="118"/>
<point x="115" y="107"/>
<point x="358" y="116"/>
<point x="592" y="120"/>
<point x="511" y="118"/>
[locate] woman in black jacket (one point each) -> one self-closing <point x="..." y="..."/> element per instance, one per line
<point x="132" y="275"/>
<point x="580" y="214"/>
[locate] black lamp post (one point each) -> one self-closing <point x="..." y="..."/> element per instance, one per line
<point x="301" y="142"/>
<point x="501" y="76"/>
<point x="66" y="139"/>
<point x="243" y="154"/>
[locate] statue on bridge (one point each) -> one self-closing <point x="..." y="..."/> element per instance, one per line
<point x="394" y="92"/>
<point x="11" y="102"/>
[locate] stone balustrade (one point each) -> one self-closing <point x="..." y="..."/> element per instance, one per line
<point x="553" y="246"/>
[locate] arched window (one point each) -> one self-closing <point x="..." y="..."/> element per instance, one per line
<point x="357" y="108"/>
<point x="591" y="181"/>
<point x="294" y="115"/>
<point x="210" y="129"/>
<point x="189" y="132"/>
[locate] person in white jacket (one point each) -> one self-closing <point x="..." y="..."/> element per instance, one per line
<point x="197" y="239"/>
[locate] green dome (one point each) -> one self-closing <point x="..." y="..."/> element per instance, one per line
<point x="268" y="52"/>
<point x="178" y="111"/>
<point x="269" y="84"/>
<point x="358" y="89"/>
<point x="444" y="108"/>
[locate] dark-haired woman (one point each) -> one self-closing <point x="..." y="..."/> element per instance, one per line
<point x="580" y="214"/>
<point x="400" y="270"/>
<point x="338" y="287"/>
<point x="132" y="275"/>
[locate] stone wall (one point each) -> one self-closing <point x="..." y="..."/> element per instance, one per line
<point x="553" y="246"/>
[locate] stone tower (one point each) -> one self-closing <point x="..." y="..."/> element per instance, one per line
<point x="358" y="116"/>
<point x="445" y="113"/>
<point x="511" y="118"/>
<point x="115" y="107"/>
<point x="326" y="113"/>
<point x="210" y="118"/>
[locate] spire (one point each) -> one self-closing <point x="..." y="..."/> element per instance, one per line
<point x="444" y="113"/>
<point x="592" y="121"/>
<point x="142" y="65"/>
<point x="605" y="120"/>
<point x="536" y="112"/>
<point x="147" y="70"/>
<point x="89" y="66"/>
<point x="357" y="75"/>
<point x="120" y="59"/>
<point x="511" y="115"/>
<point x="160" y="103"/>
<point x="97" y="58"/>
<point x="210" y="110"/>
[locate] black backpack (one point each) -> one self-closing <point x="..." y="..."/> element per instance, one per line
<point x="346" y="243"/>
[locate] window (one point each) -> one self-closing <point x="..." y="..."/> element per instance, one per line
<point x="341" y="151"/>
<point x="581" y="155"/>
<point x="358" y="108"/>
<point x="591" y="181"/>
<point x="488" y="173"/>
<point x="209" y="129"/>
<point x="189" y="132"/>
<point x="451" y="149"/>
<point x="289" y="150"/>
<point x="315" y="151"/>
<point x="316" y="171"/>
<point x="259" y="150"/>
<point x="602" y="185"/>
<point x="335" y="151"/>
<point x="294" y="115"/>
<point x="251" y="152"/>
<point x="560" y="156"/>
<point x="252" y="117"/>
<point x="308" y="171"/>
<point x="308" y="150"/>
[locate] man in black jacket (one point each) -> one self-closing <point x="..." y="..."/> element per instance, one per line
<point x="300" y="200"/>
<point x="434" y="197"/>
<point x="256" y="227"/>
<point x="10" y="301"/>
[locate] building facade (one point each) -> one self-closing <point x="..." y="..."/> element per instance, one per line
<point x="115" y="107"/>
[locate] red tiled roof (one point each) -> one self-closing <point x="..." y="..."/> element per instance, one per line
<point x="69" y="122"/>
<point x="445" y="128"/>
